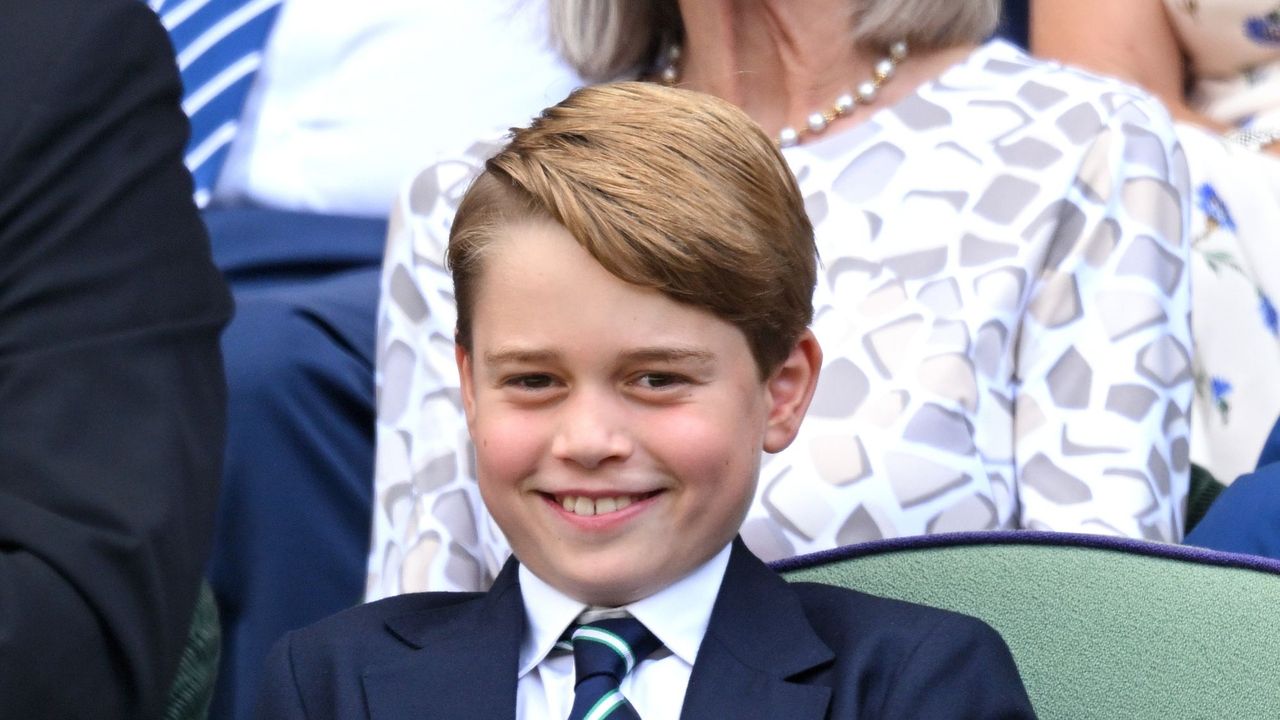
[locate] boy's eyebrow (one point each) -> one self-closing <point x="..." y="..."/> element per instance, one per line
<point x="667" y="354"/>
<point x="644" y="354"/>
<point x="519" y="355"/>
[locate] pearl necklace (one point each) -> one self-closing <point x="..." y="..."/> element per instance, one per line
<point x="864" y="94"/>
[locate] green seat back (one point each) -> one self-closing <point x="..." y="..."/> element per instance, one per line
<point x="1099" y="627"/>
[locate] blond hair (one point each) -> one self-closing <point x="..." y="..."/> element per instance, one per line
<point x="611" y="39"/>
<point x="667" y="189"/>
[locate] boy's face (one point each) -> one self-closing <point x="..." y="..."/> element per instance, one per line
<point x="617" y="432"/>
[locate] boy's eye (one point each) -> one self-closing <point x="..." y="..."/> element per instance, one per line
<point x="659" y="381"/>
<point x="530" y="382"/>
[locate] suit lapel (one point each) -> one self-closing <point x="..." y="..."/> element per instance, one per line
<point x="465" y="663"/>
<point x="757" y="644"/>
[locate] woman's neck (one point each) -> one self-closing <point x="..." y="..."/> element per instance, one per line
<point x="781" y="60"/>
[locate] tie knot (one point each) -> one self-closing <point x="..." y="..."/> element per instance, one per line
<point x="610" y="647"/>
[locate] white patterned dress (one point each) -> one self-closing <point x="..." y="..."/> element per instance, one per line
<point x="1003" y="307"/>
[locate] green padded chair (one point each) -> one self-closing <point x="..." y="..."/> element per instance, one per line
<point x="1100" y="627"/>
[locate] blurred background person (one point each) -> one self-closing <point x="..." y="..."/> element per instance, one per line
<point x="1003" y="303"/>
<point x="1216" y="65"/>
<point x="112" y="394"/>
<point x="307" y="117"/>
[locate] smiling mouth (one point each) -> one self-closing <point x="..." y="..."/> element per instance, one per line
<point x="589" y="507"/>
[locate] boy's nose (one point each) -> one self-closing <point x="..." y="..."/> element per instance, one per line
<point x="591" y="430"/>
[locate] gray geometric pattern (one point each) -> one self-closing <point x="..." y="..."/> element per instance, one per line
<point x="1003" y="308"/>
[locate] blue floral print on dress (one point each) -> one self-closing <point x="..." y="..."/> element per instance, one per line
<point x="1269" y="315"/>
<point x="1214" y="208"/>
<point x="1220" y="388"/>
<point x="1264" y="29"/>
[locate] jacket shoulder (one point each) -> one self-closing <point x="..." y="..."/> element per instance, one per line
<point x="316" y="671"/>
<point x="838" y="613"/>
<point x="903" y="660"/>
<point x="365" y="626"/>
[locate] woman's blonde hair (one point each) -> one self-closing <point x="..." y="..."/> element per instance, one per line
<point x="610" y="39"/>
<point x="667" y="189"/>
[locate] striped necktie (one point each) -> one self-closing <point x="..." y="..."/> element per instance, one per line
<point x="604" y="651"/>
<point x="219" y="47"/>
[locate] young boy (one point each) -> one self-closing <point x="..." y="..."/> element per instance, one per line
<point x="633" y="277"/>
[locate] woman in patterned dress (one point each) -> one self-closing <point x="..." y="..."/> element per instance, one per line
<point x="1003" y="302"/>
<point x="1216" y="66"/>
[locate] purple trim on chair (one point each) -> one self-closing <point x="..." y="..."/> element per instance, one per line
<point x="1032" y="537"/>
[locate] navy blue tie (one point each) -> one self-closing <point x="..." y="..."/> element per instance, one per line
<point x="219" y="45"/>
<point x="604" y="651"/>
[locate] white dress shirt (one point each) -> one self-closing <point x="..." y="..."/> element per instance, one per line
<point x="678" y="615"/>
<point x="354" y="97"/>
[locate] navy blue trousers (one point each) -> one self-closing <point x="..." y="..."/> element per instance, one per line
<point x="292" y="531"/>
<point x="1246" y="516"/>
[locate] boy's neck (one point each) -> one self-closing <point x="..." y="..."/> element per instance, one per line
<point x="678" y="614"/>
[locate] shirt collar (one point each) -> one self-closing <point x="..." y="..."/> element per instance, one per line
<point x="547" y="613"/>
<point x="678" y="614"/>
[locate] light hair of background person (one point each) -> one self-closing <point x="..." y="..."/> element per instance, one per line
<point x="606" y="39"/>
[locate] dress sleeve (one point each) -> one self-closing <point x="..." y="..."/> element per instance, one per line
<point x="430" y="528"/>
<point x="1104" y="366"/>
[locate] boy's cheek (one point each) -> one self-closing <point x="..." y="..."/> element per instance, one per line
<point x="725" y="454"/>
<point x="505" y="447"/>
<point x="727" y="429"/>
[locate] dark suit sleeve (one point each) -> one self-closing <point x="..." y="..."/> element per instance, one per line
<point x="112" y="395"/>
<point x="961" y="670"/>
<point x="280" y="698"/>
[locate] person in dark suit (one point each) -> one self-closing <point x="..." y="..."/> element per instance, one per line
<point x="773" y="650"/>
<point x="634" y="275"/>
<point x="112" y="394"/>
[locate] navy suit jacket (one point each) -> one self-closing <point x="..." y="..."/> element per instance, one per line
<point x="772" y="650"/>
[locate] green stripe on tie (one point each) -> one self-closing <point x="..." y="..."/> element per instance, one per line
<point x="605" y="706"/>
<point x="604" y="637"/>
<point x="605" y="651"/>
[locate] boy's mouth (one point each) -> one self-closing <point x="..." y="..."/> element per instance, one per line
<point x="589" y="507"/>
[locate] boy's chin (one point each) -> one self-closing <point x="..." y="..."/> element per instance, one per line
<point x="604" y="589"/>
<point x="613" y="580"/>
<point x="613" y="583"/>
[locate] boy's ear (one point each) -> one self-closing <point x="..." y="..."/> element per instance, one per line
<point x="790" y="389"/>
<point x="463" y="358"/>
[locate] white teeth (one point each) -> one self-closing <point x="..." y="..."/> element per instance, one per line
<point x="587" y="507"/>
